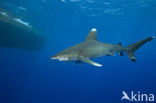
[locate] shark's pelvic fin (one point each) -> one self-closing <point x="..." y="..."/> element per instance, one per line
<point x="87" y="60"/>
<point x="78" y="62"/>
<point x="92" y="35"/>
<point x="120" y="44"/>
<point x="133" y="47"/>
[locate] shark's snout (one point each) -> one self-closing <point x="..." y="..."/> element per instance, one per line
<point x="60" y="58"/>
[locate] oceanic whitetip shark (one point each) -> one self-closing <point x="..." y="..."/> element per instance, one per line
<point x="91" y="48"/>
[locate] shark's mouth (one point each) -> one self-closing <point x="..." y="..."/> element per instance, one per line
<point x="65" y="58"/>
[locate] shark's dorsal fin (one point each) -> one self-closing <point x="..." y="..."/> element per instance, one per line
<point x="92" y="35"/>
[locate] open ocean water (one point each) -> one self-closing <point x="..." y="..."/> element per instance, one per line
<point x="28" y="76"/>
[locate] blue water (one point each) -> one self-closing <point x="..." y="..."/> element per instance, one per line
<point x="31" y="77"/>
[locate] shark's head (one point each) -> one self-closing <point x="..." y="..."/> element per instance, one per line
<point x="65" y="56"/>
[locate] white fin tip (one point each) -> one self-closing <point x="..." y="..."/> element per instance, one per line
<point x="93" y="29"/>
<point x="98" y="65"/>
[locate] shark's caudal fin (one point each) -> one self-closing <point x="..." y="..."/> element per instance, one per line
<point x="133" y="47"/>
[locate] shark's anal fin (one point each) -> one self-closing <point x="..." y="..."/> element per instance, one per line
<point x="87" y="60"/>
<point x="121" y="54"/>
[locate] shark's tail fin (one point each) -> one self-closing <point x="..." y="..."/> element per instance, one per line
<point x="133" y="47"/>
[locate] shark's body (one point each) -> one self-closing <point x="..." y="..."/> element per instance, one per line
<point x="92" y="48"/>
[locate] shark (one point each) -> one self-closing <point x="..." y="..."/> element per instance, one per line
<point x="92" y="48"/>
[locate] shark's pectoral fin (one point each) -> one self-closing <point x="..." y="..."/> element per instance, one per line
<point x="87" y="60"/>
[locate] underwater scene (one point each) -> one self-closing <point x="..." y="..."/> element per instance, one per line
<point x="77" y="51"/>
